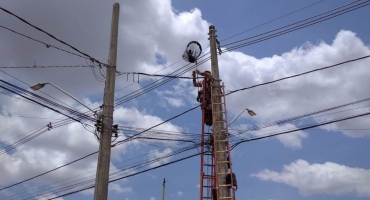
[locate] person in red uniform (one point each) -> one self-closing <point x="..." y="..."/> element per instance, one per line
<point x="206" y="105"/>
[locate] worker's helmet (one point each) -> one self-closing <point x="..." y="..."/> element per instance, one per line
<point x="209" y="71"/>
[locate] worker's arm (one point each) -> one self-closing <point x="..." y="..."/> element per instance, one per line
<point x="200" y="73"/>
<point x="195" y="83"/>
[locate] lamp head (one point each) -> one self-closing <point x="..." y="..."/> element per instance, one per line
<point x="251" y="113"/>
<point x="38" y="86"/>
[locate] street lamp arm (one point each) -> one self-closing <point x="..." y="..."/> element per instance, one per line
<point x="250" y="112"/>
<point x="237" y="116"/>
<point x="70" y="96"/>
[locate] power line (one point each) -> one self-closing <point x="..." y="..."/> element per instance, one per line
<point x="300" y="129"/>
<point x="31" y="85"/>
<point x="44" y="43"/>
<point x="118" y="173"/>
<point x="273" y="20"/>
<point x="129" y="138"/>
<point x="288" y="77"/>
<point x="125" y="140"/>
<point x="22" y="92"/>
<point x="153" y="86"/>
<point x="152" y="75"/>
<point x="52" y="36"/>
<point x="48" y="171"/>
<point x="26" y="117"/>
<point x="137" y="173"/>
<point x="305" y="116"/>
<point x="325" y="17"/>
<point x="51" y="66"/>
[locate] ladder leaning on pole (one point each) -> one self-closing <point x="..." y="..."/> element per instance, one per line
<point x="223" y="180"/>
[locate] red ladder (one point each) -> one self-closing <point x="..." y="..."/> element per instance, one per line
<point x="207" y="178"/>
<point x="222" y="155"/>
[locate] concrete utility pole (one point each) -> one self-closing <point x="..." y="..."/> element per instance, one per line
<point x="102" y="173"/>
<point x="222" y="168"/>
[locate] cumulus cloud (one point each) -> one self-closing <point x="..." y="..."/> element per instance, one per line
<point x="296" y="96"/>
<point x="330" y="178"/>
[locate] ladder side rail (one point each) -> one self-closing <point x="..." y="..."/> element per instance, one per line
<point x="228" y="146"/>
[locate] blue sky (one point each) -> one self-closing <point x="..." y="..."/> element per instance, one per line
<point x="328" y="162"/>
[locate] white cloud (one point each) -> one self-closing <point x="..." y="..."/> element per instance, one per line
<point x="179" y="193"/>
<point x="308" y="93"/>
<point x="330" y="178"/>
<point x="153" y="154"/>
<point x="118" y="189"/>
<point x="132" y="117"/>
<point x="175" y="102"/>
<point x="48" y="196"/>
<point x="152" y="198"/>
<point x="291" y="140"/>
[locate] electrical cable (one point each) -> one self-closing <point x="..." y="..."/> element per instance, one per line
<point x="298" y="22"/>
<point x="52" y="36"/>
<point x="43" y="67"/>
<point x="44" y="100"/>
<point x="296" y="75"/>
<point x="300" y="129"/>
<point x="48" y="171"/>
<point x="132" y="137"/>
<point x="137" y="173"/>
<point x="273" y="20"/>
<point x="307" y="24"/>
<point x="31" y="85"/>
<point x="47" y="45"/>
<point x="26" y="117"/>
<point x="114" y="175"/>
<point x="305" y="116"/>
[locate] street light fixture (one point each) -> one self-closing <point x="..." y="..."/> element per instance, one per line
<point x="41" y="85"/>
<point x="38" y="86"/>
<point x="250" y="112"/>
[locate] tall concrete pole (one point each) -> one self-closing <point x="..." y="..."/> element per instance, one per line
<point x="102" y="173"/>
<point x="222" y="168"/>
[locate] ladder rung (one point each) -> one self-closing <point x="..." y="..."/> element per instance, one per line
<point x="223" y="161"/>
<point x="226" y="185"/>
<point x="207" y="186"/>
<point x="224" y="173"/>
<point x="220" y="130"/>
<point x="221" y="140"/>
<point x="208" y="165"/>
<point x="219" y="121"/>
<point x="220" y="112"/>
<point x="223" y="151"/>
<point x="226" y="197"/>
